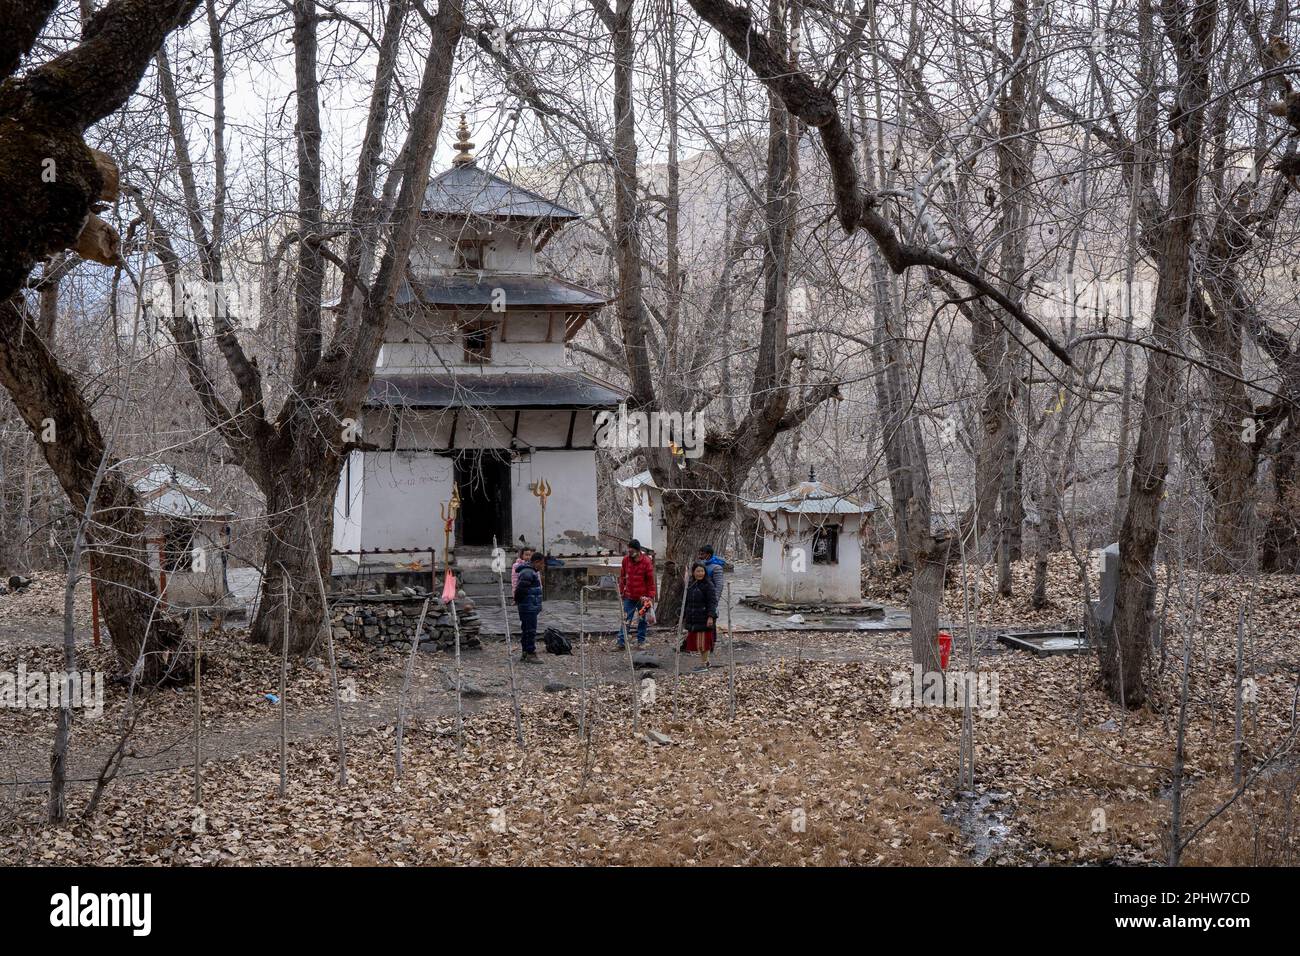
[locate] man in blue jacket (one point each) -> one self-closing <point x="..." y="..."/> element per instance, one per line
<point x="528" y="599"/>
<point x="713" y="567"/>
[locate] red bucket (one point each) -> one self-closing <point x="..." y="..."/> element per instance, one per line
<point x="945" y="648"/>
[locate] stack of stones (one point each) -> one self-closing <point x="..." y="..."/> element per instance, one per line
<point x="382" y="619"/>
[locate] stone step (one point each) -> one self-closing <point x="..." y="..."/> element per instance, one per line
<point x="477" y="576"/>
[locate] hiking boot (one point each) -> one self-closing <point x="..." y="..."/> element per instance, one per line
<point x="529" y="658"/>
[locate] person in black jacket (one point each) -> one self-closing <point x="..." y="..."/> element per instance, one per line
<point x="700" y="615"/>
<point x="528" y="599"/>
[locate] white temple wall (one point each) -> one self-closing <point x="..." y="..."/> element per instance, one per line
<point x="526" y="348"/>
<point x="349" y="501"/>
<point x="403" y="491"/>
<point x="648" y="519"/>
<point x="781" y="579"/>
<point x="570" y="511"/>
<point x="434" y="248"/>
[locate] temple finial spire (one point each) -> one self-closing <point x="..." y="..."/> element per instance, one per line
<point x="464" y="146"/>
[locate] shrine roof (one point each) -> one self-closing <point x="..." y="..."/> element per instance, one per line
<point x="469" y="290"/>
<point x="567" y="389"/>
<point x="813" y="497"/>
<point x="466" y="190"/>
<point x="640" y="480"/>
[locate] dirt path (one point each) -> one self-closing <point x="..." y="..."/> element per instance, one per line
<point x="486" y="683"/>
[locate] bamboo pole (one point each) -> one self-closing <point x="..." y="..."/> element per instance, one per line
<point x="677" y="639"/>
<point x="510" y="660"/>
<point x="284" y="680"/>
<point x="460" y="682"/>
<point x="198" y="711"/>
<point x="329" y="644"/>
<point x="406" y="686"/>
<point x="731" y="657"/>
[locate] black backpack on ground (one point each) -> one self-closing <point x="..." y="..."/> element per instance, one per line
<point x="556" y="643"/>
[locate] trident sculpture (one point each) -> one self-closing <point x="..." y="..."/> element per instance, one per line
<point x="448" y="513"/>
<point x="542" y="489"/>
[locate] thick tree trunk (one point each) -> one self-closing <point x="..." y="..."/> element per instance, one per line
<point x="929" y="568"/>
<point x="300" y="511"/>
<point x="42" y="116"/>
<point x="1123" y="649"/>
<point x="1281" y="544"/>
<point x="295" y="455"/>
<point x="998" y="513"/>
<point x="50" y="403"/>
<point x="143" y="637"/>
<point x="1231" y="474"/>
<point x="697" y="517"/>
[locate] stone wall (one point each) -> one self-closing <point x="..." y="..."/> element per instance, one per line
<point x="392" y="618"/>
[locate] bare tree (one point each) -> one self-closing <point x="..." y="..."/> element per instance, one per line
<point x="51" y="183"/>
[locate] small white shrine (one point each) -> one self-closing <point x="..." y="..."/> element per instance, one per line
<point x="649" y="525"/>
<point x="812" y="546"/>
<point x="473" y="400"/>
<point x="187" y="535"/>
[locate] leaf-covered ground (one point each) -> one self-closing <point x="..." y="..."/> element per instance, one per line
<point x="818" y="766"/>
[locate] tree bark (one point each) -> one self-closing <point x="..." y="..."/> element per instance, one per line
<point x="295" y="454"/>
<point x="301" y="499"/>
<point x="48" y="182"/>
<point x="1125" y="643"/>
<point x="51" y="404"/>
<point x="699" y="499"/>
<point x="1230" y="477"/>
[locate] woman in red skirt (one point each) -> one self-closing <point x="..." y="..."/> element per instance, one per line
<point x="700" y="615"/>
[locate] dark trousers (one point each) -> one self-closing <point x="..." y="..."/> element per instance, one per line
<point x="528" y="630"/>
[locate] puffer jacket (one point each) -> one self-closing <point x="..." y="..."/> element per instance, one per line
<point x="701" y="604"/>
<point x="636" y="579"/>
<point x="528" y="592"/>
<point x="714" y="567"/>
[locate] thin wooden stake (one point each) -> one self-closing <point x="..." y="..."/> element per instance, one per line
<point x="582" y="662"/>
<point x="284" y="680"/>
<point x="510" y="660"/>
<point x="731" y="658"/>
<point x="198" y="712"/>
<point x="94" y="599"/>
<point x="406" y="686"/>
<point x="329" y="644"/>
<point x="636" y="689"/>
<point x="460" y="681"/>
<point x="677" y="640"/>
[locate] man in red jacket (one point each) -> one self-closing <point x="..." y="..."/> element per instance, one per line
<point x="636" y="580"/>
